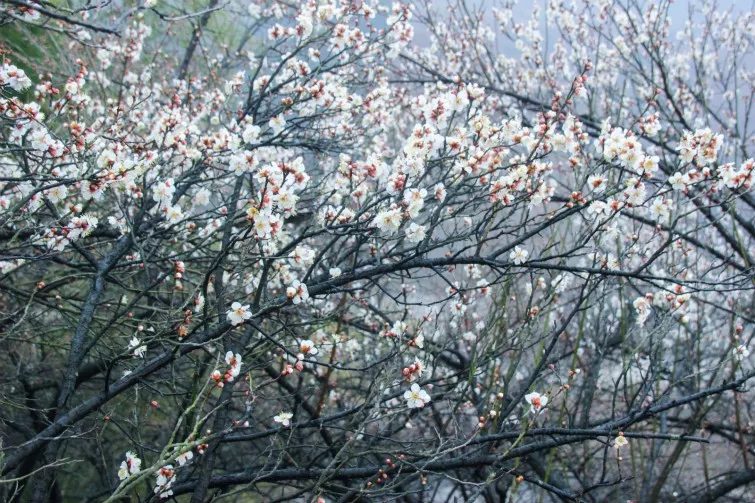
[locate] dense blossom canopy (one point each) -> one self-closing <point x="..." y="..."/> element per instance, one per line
<point x="353" y="250"/>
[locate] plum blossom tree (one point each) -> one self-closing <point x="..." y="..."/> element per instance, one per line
<point x="355" y="250"/>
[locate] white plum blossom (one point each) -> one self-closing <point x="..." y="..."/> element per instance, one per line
<point x="416" y="397"/>
<point x="173" y="214"/>
<point x="418" y="341"/>
<point x="238" y="314"/>
<point x="307" y="347"/>
<point x="163" y="192"/>
<point x="251" y="134"/>
<point x="11" y="75"/>
<point x="166" y="476"/>
<point x="414" y="200"/>
<point x="254" y="10"/>
<point x="620" y="442"/>
<point x="642" y="306"/>
<point x="440" y="192"/>
<point x="57" y="194"/>
<point x="518" y="255"/>
<point x="415" y="233"/>
<point x="130" y="466"/>
<point x="202" y="197"/>
<point x="660" y="208"/>
<point x="597" y="183"/>
<point x="741" y="352"/>
<point x="597" y="208"/>
<point x="234" y="365"/>
<point x="305" y="27"/>
<point x="184" y="458"/>
<point x="388" y="221"/>
<point x="284" y="418"/>
<point x="137" y="348"/>
<point x="649" y="165"/>
<point x="303" y="255"/>
<point x="536" y="401"/>
<point x="677" y="181"/>
<point x="277" y="124"/>
<point x="297" y="292"/>
<point x="199" y="303"/>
